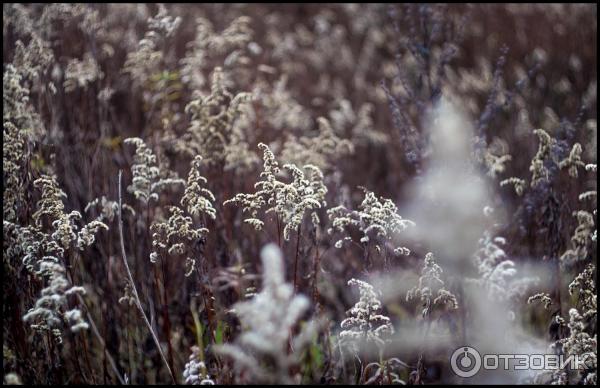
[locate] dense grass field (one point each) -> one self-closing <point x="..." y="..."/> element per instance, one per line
<point x="299" y="193"/>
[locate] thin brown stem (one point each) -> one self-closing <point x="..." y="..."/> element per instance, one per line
<point x="278" y="232"/>
<point x="166" y="317"/>
<point x="296" y="259"/>
<point x="87" y="358"/>
<point x="316" y="271"/>
<point x="136" y="297"/>
<point x="101" y="340"/>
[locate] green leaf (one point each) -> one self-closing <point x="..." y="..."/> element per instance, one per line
<point x="219" y="332"/>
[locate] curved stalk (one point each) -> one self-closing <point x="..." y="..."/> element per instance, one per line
<point x="133" y="288"/>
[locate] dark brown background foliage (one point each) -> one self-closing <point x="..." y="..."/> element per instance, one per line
<point x="514" y="67"/>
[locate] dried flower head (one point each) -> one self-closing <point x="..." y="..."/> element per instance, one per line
<point x="212" y="121"/>
<point x="538" y="167"/>
<point x="261" y="350"/>
<point x="322" y="150"/>
<point x="365" y="323"/>
<point x="108" y="209"/>
<point x="79" y="74"/>
<point x="174" y="236"/>
<point x="14" y="150"/>
<point x="582" y="238"/>
<point x="375" y="218"/>
<point x="197" y="199"/>
<point x="541" y="297"/>
<point x="50" y="310"/>
<point x="497" y="274"/>
<point x="519" y="184"/>
<point x="86" y="235"/>
<point x="146" y="60"/>
<point x="289" y="201"/>
<point x="573" y="160"/>
<point x="148" y="179"/>
<point x="431" y="288"/>
<point x="195" y="372"/>
<point x="584" y="285"/>
<point x="229" y="46"/>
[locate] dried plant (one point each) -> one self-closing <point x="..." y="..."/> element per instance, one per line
<point x="541" y="297"/>
<point x="79" y="74"/>
<point x="267" y="321"/>
<point x="280" y="111"/>
<point x="197" y="199"/>
<point x="550" y="156"/>
<point x="51" y="312"/>
<point x="538" y="169"/>
<point x="212" y="120"/>
<point x="146" y="60"/>
<point x="231" y="45"/>
<point x="321" y="151"/>
<point x="289" y="201"/>
<point x="365" y="327"/>
<point x="44" y="256"/>
<point x="581" y="239"/>
<point x="581" y="338"/>
<point x="172" y="237"/>
<point x="195" y="370"/>
<point x="497" y="274"/>
<point x="430" y="290"/>
<point x="365" y="322"/>
<point x="13" y="152"/>
<point x="573" y="160"/>
<point x="376" y="218"/>
<point x="359" y="124"/>
<point x="148" y="179"/>
<point x="108" y="209"/>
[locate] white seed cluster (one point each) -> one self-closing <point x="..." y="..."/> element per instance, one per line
<point x="581" y="340"/>
<point x="175" y="236"/>
<point x="195" y="372"/>
<point x="582" y="238"/>
<point x="43" y="256"/>
<point x="49" y="310"/>
<point x="145" y="61"/>
<point x="289" y="201"/>
<point x="64" y="224"/>
<point x="322" y="150"/>
<point x="79" y="74"/>
<point x="212" y="121"/>
<point x="148" y="179"/>
<point x="518" y="183"/>
<point x="365" y="323"/>
<point x="497" y="274"/>
<point x="267" y="320"/>
<point x="375" y="218"/>
<point x="431" y="288"/>
<point x="230" y="44"/>
<point x="585" y="286"/>
<point x="196" y="198"/>
<point x="541" y="297"/>
<point x="573" y="160"/>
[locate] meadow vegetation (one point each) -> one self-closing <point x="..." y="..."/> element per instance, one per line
<point x="297" y="193"/>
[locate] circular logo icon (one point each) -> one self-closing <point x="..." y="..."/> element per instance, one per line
<point x="465" y="361"/>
